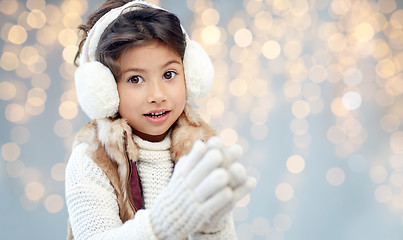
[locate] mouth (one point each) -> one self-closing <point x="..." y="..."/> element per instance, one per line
<point x="158" y="114"/>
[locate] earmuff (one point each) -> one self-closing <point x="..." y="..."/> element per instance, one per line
<point x="96" y="86"/>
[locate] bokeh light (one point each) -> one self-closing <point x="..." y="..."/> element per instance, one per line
<point x="17" y="35"/>
<point x="54" y="203"/>
<point x="271" y="49"/>
<point x="243" y="37"/>
<point x="284" y="192"/>
<point x="7" y="91"/>
<point x="14" y="112"/>
<point x="9" y="61"/>
<point x="34" y="191"/>
<point x="10" y="151"/>
<point x="335" y="176"/>
<point x="295" y="164"/>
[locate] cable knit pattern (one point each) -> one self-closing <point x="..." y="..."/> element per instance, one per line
<point x="154" y="167"/>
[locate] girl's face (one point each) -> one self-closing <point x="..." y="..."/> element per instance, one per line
<point x="152" y="89"/>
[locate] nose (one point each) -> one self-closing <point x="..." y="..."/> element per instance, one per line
<point x="156" y="92"/>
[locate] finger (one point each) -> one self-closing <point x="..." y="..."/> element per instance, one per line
<point x="188" y="162"/>
<point x="232" y="154"/>
<point x="223" y="211"/>
<point x="237" y="173"/>
<point x="215" y="181"/>
<point x="235" y="151"/>
<point x="210" y="161"/>
<point x="244" y="189"/>
<point x="215" y="142"/>
<point x="217" y="201"/>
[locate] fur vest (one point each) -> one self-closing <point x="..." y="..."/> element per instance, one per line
<point x="112" y="148"/>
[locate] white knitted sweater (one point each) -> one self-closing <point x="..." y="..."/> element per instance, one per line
<point x="154" y="167"/>
<point x="92" y="202"/>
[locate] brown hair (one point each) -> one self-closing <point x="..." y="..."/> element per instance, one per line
<point x="132" y="29"/>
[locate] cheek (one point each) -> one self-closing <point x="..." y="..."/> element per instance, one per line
<point x="181" y="95"/>
<point x="127" y="100"/>
<point x="122" y="105"/>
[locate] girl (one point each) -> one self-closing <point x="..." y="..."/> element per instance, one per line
<point x="147" y="166"/>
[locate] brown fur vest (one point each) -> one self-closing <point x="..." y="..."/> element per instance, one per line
<point x="112" y="146"/>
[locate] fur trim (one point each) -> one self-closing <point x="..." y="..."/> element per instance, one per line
<point x="69" y="231"/>
<point x="111" y="134"/>
<point x="188" y="129"/>
<point x="109" y="144"/>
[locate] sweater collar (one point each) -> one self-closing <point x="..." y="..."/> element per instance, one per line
<point x="165" y="144"/>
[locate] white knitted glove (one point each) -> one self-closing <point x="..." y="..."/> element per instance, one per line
<point x="240" y="183"/>
<point x="197" y="190"/>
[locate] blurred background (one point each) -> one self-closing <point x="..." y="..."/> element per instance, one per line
<point x="312" y="89"/>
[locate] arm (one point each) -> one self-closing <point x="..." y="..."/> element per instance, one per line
<point x="92" y="203"/>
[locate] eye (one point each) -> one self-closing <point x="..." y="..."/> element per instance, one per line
<point x="169" y="75"/>
<point x="136" y="79"/>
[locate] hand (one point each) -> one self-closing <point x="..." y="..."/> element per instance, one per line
<point x="197" y="190"/>
<point x="240" y="183"/>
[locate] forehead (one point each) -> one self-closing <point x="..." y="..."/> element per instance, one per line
<point x="154" y="53"/>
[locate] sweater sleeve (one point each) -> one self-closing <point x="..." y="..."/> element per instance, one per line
<point x="92" y="203"/>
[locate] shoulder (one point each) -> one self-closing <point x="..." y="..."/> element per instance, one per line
<point x="100" y="146"/>
<point x="81" y="167"/>
<point x="87" y="134"/>
<point x="81" y="155"/>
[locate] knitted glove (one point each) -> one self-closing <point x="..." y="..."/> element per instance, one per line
<point x="239" y="182"/>
<point x="197" y="190"/>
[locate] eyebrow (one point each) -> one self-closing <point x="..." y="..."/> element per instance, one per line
<point x="142" y="70"/>
<point x="170" y="62"/>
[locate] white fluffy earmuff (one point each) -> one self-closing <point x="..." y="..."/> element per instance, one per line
<point x="96" y="86"/>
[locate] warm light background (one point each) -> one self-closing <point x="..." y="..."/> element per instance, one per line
<point x="312" y="89"/>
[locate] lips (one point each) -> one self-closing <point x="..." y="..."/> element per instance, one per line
<point x="157" y="117"/>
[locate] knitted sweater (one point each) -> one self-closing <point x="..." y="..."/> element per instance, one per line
<point x="154" y="167"/>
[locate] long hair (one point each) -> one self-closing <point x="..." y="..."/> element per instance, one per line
<point x="133" y="28"/>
